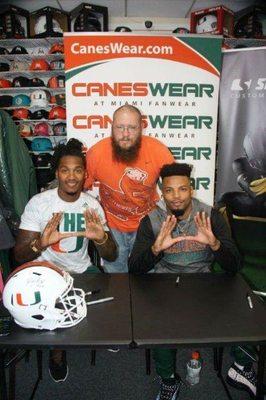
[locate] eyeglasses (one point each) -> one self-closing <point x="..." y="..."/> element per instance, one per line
<point x="129" y="128"/>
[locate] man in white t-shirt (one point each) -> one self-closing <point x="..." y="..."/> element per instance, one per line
<point x="58" y="224"/>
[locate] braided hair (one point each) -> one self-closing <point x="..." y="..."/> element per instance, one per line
<point x="72" y="148"/>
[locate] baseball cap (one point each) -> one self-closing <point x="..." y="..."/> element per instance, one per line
<point x="37" y="82"/>
<point x="21" y="81"/>
<point x="59" y="129"/>
<point x="21" y="100"/>
<point x="6" y="101"/>
<point x="3" y="50"/>
<point x="60" y="99"/>
<point x="19" y="66"/>
<point x="4" y="66"/>
<point x="18" y="50"/>
<point x="40" y="114"/>
<point x="42" y="160"/>
<point x="41" y="144"/>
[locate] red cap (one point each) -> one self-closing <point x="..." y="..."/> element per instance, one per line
<point x="195" y="355"/>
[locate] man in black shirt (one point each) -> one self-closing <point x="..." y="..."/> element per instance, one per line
<point x="181" y="235"/>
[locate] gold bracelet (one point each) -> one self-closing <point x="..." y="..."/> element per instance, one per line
<point x="104" y="240"/>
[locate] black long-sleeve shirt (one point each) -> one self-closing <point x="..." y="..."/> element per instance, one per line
<point x="143" y="260"/>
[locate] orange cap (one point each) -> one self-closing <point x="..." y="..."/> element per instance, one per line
<point x="195" y="355"/>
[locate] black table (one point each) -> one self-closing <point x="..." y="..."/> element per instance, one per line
<point x="151" y="310"/>
<point x="202" y="310"/>
<point x="106" y="325"/>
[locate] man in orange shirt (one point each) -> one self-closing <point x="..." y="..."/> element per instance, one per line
<point x="127" y="167"/>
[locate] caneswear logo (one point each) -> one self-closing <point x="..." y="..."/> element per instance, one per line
<point x="169" y="89"/>
<point x="120" y="48"/>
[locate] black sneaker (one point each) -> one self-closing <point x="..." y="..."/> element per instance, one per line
<point x="58" y="370"/>
<point x="169" y="389"/>
<point x="245" y="379"/>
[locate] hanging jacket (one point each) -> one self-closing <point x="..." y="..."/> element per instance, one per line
<point x="17" y="174"/>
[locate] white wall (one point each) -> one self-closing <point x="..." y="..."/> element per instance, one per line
<point x="137" y="8"/>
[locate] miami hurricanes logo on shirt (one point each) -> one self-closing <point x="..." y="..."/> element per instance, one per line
<point x="133" y="196"/>
<point x="71" y="222"/>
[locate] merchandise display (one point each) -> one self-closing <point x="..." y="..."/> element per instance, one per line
<point x="36" y="94"/>
<point x="57" y="64"/>
<point x="60" y="99"/>
<point x="3" y="50"/>
<point x="89" y="18"/>
<point x="57" y="112"/>
<point x="181" y="30"/>
<point x="56" y="82"/>
<point x="37" y="82"/>
<point x="40" y="26"/>
<point x="5" y="83"/>
<point x="19" y="66"/>
<point x="59" y="129"/>
<point x="57" y="48"/>
<point x="122" y="29"/>
<point x="42" y="129"/>
<point x="18" y="50"/>
<point x="87" y="23"/>
<point x="39" y="64"/>
<point x="251" y="22"/>
<point x="25" y="130"/>
<point x="21" y="100"/>
<point x="38" y="51"/>
<point x="6" y="101"/>
<point x="217" y="20"/>
<point x="41" y="144"/>
<point x="40" y="114"/>
<point x="14" y="22"/>
<point x="4" y="67"/>
<point x="21" y="81"/>
<point x="21" y="113"/>
<point x="40" y="98"/>
<point x="48" y="21"/>
<point x="206" y="24"/>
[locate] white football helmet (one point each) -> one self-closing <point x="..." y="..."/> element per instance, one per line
<point x="39" y="98"/>
<point x="208" y="23"/>
<point x="39" y="295"/>
<point x="41" y="26"/>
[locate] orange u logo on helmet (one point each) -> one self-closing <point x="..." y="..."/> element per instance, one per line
<point x="19" y="300"/>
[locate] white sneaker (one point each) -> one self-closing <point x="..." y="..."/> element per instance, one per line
<point x="114" y="350"/>
<point x="242" y="378"/>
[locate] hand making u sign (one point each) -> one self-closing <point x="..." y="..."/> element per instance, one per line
<point x="204" y="234"/>
<point x="51" y="235"/>
<point x="94" y="228"/>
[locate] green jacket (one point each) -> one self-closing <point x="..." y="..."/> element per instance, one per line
<point x="17" y="174"/>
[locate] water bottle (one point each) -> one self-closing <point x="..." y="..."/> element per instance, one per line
<point x="193" y="369"/>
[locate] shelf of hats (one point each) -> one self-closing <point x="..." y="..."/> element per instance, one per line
<point x="32" y="80"/>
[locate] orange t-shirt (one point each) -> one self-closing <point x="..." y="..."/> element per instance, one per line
<point x="127" y="191"/>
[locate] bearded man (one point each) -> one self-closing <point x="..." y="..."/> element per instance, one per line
<point x="126" y="166"/>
